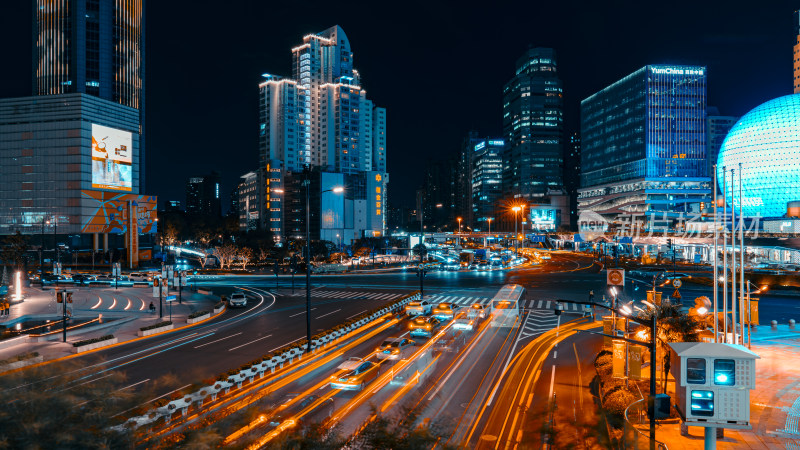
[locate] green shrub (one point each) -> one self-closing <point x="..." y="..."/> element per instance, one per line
<point x="198" y="314"/>
<point x="603" y="360"/>
<point x="156" y="325"/>
<point x="92" y="341"/>
<point x="616" y="402"/>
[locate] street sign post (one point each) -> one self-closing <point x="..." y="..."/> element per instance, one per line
<point x="170" y="299"/>
<point x="615" y="277"/>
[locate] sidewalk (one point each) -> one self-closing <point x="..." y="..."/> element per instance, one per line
<point x="774" y="403"/>
<point x="123" y="312"/>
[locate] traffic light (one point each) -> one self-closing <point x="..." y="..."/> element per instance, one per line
<point x="669" y="244"/>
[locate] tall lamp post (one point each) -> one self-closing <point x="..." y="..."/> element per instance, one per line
<point x="338" y="190"/>
<point x="516" y="210"/>
<point x="41" y="253"/>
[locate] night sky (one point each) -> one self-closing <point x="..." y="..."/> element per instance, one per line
<point x="437" y="67"/>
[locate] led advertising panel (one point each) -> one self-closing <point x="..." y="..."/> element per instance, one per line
<point x="112" y="158"/>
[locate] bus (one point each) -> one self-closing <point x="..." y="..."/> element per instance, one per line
<point x="506" y="305"/>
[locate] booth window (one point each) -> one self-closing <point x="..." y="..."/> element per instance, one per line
<point x="696" y="370"/>
<point x="702" y="403"/>
<point x="724" y="372"/>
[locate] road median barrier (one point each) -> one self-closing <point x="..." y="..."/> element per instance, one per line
<point x="198" y="316"/>
<point x="269" y="363"/>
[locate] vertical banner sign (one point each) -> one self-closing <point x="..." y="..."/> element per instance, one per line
<point x="133" y="235"/>
<point x="615" y="277"/>
<point x="183" y="279"/>
<point x="753" y="316"/>
<point x="618" y="363"/>
<point x="156" y="282"/>
<point x="608" y="330"/>
<point x="657" y="300"/>
<point x="621" y="324"/>
<point x="635" y="362"/>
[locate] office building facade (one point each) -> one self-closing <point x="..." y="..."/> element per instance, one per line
<point x="321" y="124"/>
<point x="717" y="128"/>
<point x="796" y="52"/>
<point x="94" y="47"/>
<point x="533" y="128"/>
<point x="643" y="145"/>
<point x="487" y="181"/>
<point x="202" y="195"/>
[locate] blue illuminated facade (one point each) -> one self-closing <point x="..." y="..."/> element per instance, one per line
<point x="766" y="142"/>
<point x="487" y="181"/>
<point x="643" y="148"/>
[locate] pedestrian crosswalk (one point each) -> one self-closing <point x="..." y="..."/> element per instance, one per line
<point x="354" y="295"/>
<point x="461" y="300"/>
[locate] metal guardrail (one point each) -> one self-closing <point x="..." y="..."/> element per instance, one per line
<point x="633" y="437"/>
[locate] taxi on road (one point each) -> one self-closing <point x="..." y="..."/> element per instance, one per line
<point x="356" y="379"/>
<point x="395" y="348"/>
<point x="423" y="326"/>
<point x="418" y="308"/>
<point x="445" y="311"/>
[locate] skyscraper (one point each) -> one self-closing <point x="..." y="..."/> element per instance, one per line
<point x="487" y="181"/>
<point x="796" y="62"/>
<point x="93" y="47"/>
<point x="643" y="145"/>
<point x="572" y="174"/>
<point x="202" y="195"/>
<point x="717" y="128"/>
<point x="321" y="119"/>
<point x="533" y="127"/>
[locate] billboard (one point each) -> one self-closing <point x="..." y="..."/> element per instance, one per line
<point x="544" y="218"/>
<point x="109" y="212"/>
<point x="112" y="159"/>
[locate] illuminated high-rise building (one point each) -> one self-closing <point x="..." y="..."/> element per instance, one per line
<point x="93" y="47"/>
<point x="643" y="146"/>
<point x="321" y="120"/>
<point x="796" y="62"/>
<point x="533" y="127"/>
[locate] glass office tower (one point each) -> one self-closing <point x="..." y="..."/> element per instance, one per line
<point x="644" y="144"/>
<point x="533" y="127"/>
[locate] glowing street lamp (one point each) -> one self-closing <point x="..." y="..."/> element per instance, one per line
<point x="516" y="210"/>
<point x="459" y="225"/>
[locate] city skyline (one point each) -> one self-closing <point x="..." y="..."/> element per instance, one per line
<point x="591" y="41"/>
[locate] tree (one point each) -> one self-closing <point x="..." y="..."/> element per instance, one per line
<point x="203" y="237"/>
<point x="14" y="249"/>
<point x="673" y="326"/>
<point x="245" y="255"/>
<point x="226" y="254"/>
<point x="170" y="235"/>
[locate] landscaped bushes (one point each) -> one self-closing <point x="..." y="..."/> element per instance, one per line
<point x="156" y="325"/>
<point x="198" y="314"/>
<point x="92" y="341"/>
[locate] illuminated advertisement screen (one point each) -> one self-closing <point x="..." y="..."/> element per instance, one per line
<point x="543" y="216"/>
<point x="112" y="157"/>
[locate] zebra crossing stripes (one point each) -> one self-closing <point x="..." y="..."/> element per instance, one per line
<point x="458" y="300"/>
<point x="549" y="304"/>
<point x="537" y="322"/>
<point x="359" y="295"/>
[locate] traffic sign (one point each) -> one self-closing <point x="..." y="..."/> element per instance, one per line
<point x="615" y="277"/>
<point x="172" y="298"/>
<point x="677" y="283"/>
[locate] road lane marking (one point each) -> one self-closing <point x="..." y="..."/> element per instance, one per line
<point x="221" y="339"/>
<point x="113" y="304"/>
<point x="134" y="384"/>
<point x="327" y="314"/>
<point x="128" y="306"/>
<point x="284" y="345"/>
<point x="294" y="315"/>
<point x="248" y="343"/>
<point x="99" y="302"/>
<point x="362" y="312"/>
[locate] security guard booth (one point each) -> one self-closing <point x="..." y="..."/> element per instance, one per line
<point x="713" y="383"/>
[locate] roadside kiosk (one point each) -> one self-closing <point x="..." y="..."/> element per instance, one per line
<point x="713" y="383"/>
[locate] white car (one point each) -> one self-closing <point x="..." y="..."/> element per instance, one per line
<point x="395" y="348"/>
<point x="237" y="299"/>
<point x="418" y="308"/>
<point x="140" y="276"/>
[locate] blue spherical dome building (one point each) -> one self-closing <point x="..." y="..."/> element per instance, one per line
<point x="766" y="142"/>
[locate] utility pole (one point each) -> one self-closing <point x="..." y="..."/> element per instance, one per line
<point x="307" y="184"/>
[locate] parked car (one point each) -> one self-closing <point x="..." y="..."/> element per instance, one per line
<point x="237" y="299"/>
<point x="140" y="276"/>
<point x="83" y="278"/>
<point x="356" y="379"/>
<point x="104" y="278"/>
<point x="395" y="348"/>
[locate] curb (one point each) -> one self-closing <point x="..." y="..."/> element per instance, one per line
<point x="64" y="358"/>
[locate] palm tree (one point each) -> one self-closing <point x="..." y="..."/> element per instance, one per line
<point x="673" y="325"/>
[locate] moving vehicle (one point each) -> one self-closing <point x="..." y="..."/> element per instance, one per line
<point x="465" y="259"/>
<point x="104" y="278"/>
<point x="484" y="266"/>
<point x="418" y="308"/>
<point x="505" y="305"/>
<point x="395" y="348"/>
<point x="140" y="276"/>
<point x="476" y="311"/>
<point x="83" y="278"/>
<point x="237" y="299"/>
<point x="423" y="326"/>
<point x="356" y="379"/>
<point x="51" y="278"/>
<point x="445" y="311"/>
